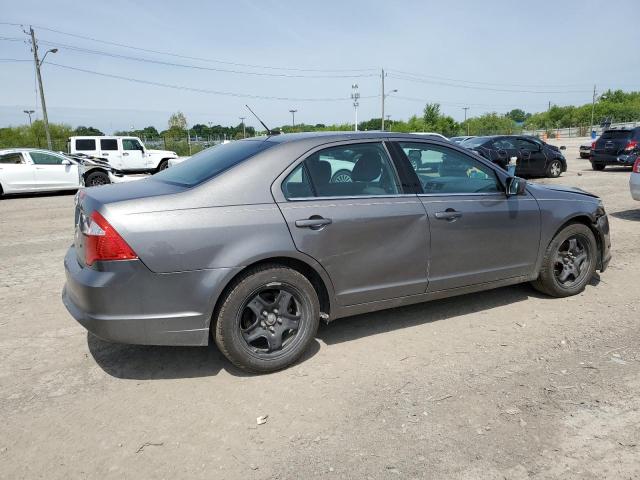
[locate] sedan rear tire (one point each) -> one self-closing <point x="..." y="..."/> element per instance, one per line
<point x="597" y="166"/>
<point x="569" y="262"/>
<point x="267" y="319"/>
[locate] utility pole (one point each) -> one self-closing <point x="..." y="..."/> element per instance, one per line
<point x="355" y="96"/>
<point x="293" y="117"/>
<point x="29" y="112"/>
<point x="384" y="96"/>
<point x="244" y="129"/>
<point x="382" y="93"/>
<point x="38" y="63"/>
<point x="465" y="118"/>
<point x="593" y="108"/>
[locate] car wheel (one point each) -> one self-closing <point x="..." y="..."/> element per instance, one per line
<point x="267" y="319"/>
<point x="569" y="262"/>
<point x="554" y="169"/>
<point x="95" y="179"/>
<point x="597" y="166"/>
<point x="342" y="176"/>
<point x="163" y="165"/>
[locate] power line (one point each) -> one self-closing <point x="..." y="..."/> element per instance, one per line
<point x="425" y="76"/>
<point x="463" y="104"/>
<point x="198" y="67"/>
<point x="201" y="90"/>
<point x="188" y="57"/>
<point x="473" y="87"/>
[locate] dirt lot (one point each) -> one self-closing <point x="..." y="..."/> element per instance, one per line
<point x="500" y="384"/>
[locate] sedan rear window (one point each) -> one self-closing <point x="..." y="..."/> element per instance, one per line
<point x="210" y="162"/>
<point x="475" y="142"/>
<point x="616" y="134"/>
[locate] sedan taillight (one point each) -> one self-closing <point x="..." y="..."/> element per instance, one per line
<point x="103" y="242"/>
<point x="636" y="166"/>
<point x="631" y="145"/>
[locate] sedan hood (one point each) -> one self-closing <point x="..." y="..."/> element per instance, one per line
<point x="566" y="189"/>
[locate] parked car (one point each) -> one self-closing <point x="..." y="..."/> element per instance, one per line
<point x="585" y="150"/>
<point x="634" y="180"/>
<point x="615" y="147"/>
<point x="126" y="154"/>
<point x="461" y="139"/>
<point x="252" y="243"/>
<point x="533" y="156"/>
<point x="28" y="170"/>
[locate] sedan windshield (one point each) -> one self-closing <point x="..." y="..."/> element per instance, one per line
<point x="211" y="162"/>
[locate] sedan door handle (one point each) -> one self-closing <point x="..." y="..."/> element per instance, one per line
<point x="125" y="154"/>
<point x="449" y="214"/>
<point x="314" y="222"/>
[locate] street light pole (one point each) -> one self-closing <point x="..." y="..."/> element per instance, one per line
<point x="355" y="95"/>
<point x="465" y="118"/>
<point x="593" y="108"/>
<point x="38" y="63"/>
<point x="29" y="112"/>
<point x="293" y="117"/>
<point x="384" y="96"/>
<point x="244" y="130"/>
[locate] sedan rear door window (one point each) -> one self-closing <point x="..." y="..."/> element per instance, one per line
<point x="11" y="158"/>
<point x="362" y="169"/>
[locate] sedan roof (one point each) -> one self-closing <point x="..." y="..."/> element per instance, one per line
<point x="350" y="135"/>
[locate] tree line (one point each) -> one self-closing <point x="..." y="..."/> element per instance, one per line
<point x="612" y="105"/>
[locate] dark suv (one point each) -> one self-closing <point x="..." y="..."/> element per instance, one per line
<point x="619" y="146"/>
<point x="533" y="156"/>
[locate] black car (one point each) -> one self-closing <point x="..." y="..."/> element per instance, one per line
<point x="533" y="156"/>
<point x="615" y="147"/>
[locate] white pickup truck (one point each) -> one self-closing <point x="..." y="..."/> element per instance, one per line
<point x="125" y="154"/>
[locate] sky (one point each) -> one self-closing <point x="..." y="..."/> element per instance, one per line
<point x="282" y="55"/>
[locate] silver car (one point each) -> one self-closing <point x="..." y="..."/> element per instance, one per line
<point x="253" y="242"/>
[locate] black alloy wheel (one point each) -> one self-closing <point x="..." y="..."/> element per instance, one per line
<point x="267" y="318"/>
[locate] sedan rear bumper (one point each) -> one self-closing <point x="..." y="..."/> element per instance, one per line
<point x="622" y="160"/>
<point x="131" y="304"/>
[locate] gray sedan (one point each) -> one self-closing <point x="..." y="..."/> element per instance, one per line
<point x="253" y="242"/>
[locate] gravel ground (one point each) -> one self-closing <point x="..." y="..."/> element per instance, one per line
<point x="501" y="384"/>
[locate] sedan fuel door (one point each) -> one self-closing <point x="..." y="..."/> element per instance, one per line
<point x="17" y="174"/>
<point x="368" y="235"/>
<point x="478" y="234"/>
<point x="54" y="171"/>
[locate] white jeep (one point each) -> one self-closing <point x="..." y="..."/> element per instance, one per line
<point x="125" y="154"/>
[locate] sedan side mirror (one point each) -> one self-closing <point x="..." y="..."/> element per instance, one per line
<point x="66" y="162"/>
<point x="516" y="186"/>
<point x="563" y="147"/>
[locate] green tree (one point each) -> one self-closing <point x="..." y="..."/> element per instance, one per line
<point x="178" y="120"/>
<point x="82" y="130"/>
<point x="518" y="115"/>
